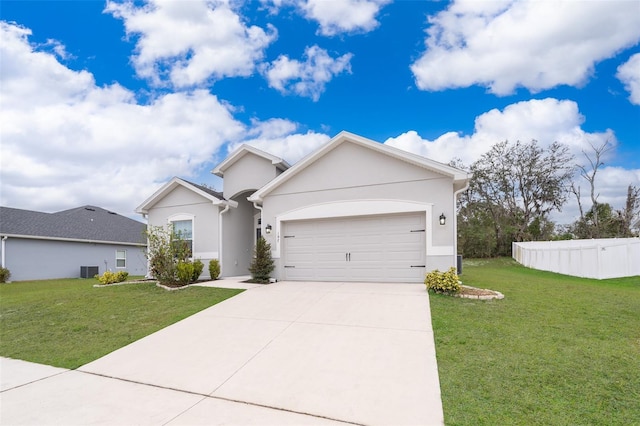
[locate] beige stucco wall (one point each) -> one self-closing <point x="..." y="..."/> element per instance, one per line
<point x="238" y="237"/>
<point x="351" y="172"/>
<point x="182" y="201"/>
<point x="249" y="172"/>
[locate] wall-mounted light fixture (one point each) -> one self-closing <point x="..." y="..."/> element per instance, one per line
<point x="267" y="229"/>
<point x="443" y="219"/>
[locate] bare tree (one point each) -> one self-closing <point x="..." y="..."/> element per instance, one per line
<point x="594" y="158"/>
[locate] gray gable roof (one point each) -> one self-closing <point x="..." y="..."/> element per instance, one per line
<point x="88" y="223"/>
<point x="205" y="189"/>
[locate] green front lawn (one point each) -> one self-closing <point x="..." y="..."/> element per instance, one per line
<point x="67" y="323"/>
<point x="558" y="350"/>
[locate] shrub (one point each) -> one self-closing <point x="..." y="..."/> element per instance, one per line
<point x="165" y="249"/>
<point x="262" y="263"/>
<point x="214" y="269"/>
<point x="198" y="266"/>
<point x="112" y="277"/>
<point x="443" y="282"/>
<point x="5" y="274"/>
<point x="184" y="272"/>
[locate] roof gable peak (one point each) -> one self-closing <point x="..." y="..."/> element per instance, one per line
<point x="457" y="175"/>
<point x="243" y="150"/>
<point x="213" y="196"/>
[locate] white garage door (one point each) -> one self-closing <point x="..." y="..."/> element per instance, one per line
<point x="389" y="248"/>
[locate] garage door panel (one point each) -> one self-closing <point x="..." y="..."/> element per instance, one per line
<point x="405" y="257"/>
<point x="379" y="248"/>
<point x="364" y="240"/>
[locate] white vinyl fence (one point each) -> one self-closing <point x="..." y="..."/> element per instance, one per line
<point x="600" y="259"/>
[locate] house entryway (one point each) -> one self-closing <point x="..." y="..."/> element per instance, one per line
<point x="238" y="236"/>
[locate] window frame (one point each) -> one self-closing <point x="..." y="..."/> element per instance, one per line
<point x="183" y="217"/>
<point x="121" y="258"/>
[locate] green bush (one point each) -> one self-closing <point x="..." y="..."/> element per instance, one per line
<point x="443" y="282"/>
<point x="112" y="277"/>
<point x="5" y="274"/>
<point x="262" y="263"/>
<point x="214" y="269"/>
<point x="198" y="266"/>
<point x="165" y="249"/>
<point x="184" y="272"/>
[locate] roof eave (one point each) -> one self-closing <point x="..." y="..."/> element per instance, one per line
<point x="170" y="186"/>
<point x="343" y="136"/>
<point x="243" y="150"/>
<point x="78" y="240"/>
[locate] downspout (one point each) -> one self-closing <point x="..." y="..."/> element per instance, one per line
<point x="455" y="219"/>
<point x="223" y="211"/>
<point x="4" y="246"/>
<point x="255" y="205"/>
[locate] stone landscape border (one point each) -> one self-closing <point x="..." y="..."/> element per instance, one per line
<point x="493" y="294"/>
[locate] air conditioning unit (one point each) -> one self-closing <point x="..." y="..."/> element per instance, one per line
<point x="88" y="271"/>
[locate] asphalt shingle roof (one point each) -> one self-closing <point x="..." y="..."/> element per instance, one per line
<point x="81" y="223"/>
<point x="209" y="191"/>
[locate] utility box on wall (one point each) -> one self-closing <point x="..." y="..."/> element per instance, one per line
<point x="88" y="271"/>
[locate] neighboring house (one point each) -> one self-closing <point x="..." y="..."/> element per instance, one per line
<point x="353" y="210"/>
<point x="36" y="245"/>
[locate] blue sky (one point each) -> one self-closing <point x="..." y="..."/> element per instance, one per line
<point x="104" y="102"/>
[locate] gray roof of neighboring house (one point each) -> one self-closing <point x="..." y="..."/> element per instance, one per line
<point x="81" y="223"/>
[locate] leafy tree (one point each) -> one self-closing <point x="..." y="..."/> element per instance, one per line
<point x="262" y="264"/>
<point x="630" y="215"/>
<point x="476" y="237"/>
<point x="609" y="223"/>
<point x="513" y="189"/>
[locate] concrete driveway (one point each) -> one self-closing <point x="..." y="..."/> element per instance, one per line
<point x="284" y="353"/>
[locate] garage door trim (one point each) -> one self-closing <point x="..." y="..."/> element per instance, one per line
<point x="348" y="208"/>
<point x="389" y="247"/>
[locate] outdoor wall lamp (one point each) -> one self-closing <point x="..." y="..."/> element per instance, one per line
<point x="267" y="229"/>
<point x="443" y="219"/>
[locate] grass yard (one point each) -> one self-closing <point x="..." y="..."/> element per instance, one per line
<point x="68" y="323"/>
<point x="558" y="350"/>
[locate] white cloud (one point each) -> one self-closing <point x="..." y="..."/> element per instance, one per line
<point x="191" y="42"/>
<point x="534" y="44"/>
<point x="279" y="137"/>
<point x="334" y="17"/>
<point x="547" y="120"/>
<point x="344" y="16"/>
<point x="612" y="183"/>
<point x="306" y="78"/>
<point x="67" y="142"/>
<point x="629" y="75"/>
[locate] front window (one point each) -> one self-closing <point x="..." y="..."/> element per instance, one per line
<point x="121" y="258"/>
<point x="183" y="231"/>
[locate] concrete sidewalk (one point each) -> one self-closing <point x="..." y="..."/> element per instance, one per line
<point x="284" y="353"/>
